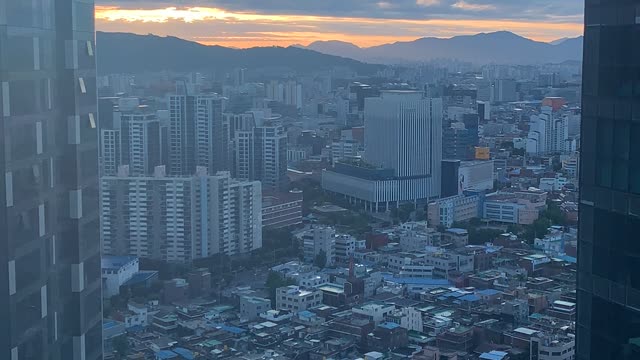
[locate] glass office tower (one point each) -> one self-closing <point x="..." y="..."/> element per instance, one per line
<point x="50" y="281"/>
<point x="609" y="248"/>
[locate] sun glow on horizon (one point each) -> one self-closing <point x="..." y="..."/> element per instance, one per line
<point x="293" y="29"/>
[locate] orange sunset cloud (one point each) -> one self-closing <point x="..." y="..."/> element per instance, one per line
<point x="210" y="25"/>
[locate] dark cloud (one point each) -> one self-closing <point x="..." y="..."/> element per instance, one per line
<point x="540" y="10"/>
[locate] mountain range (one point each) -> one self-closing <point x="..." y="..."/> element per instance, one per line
<point x="130" y="53"/>
<point x="500" y="47"/>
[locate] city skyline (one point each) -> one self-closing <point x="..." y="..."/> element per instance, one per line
<point x="249" y="24"/>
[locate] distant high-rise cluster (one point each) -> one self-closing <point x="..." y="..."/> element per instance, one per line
<point x="289" y="92"/>
<point x="550" y="129"/>
<point x="167" y="190"/>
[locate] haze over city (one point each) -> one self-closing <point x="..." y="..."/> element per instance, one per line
<point x="319" y="180"/>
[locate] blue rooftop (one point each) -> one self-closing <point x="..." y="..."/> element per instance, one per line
<point x="166" y="354"/>
<point x="186" y="354"/>
<point x="389" y="325"/>
<point x="140" y="277"/>
<point x="455" y="294"/>
<point x="493" y="355"/>
<point x="110" y="324"/>
<point x="306" y="314"/>
<point x="418" y="281"/>
<point x="116" y="262"/>
<point x="470" y="298"/>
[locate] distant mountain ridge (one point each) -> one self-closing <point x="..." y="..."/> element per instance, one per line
<point x="497" y="47"/>
<point x="130" y="53"/>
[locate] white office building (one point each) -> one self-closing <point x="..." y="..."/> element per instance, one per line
<point x="458" y="208"/>
<point x="295" y="298"/>
<point x="116" y="270"/>
<point x="377" y="312"/>
<point x="403" y="153"/>
<point x="251" y="307"/>
<point x="179" y="218"/>
<point x="403" y="132"/>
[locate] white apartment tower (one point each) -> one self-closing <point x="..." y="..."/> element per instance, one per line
<point x="110" y="151"/>
<point x="144" y="144"/>
<point x="260" y="151"/>
<point x="549" y="132"/>
<point x="179" y="218"/>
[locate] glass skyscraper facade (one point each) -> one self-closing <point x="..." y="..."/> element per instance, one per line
<point x="50" y="280"/>
<point x="609" y="248"/>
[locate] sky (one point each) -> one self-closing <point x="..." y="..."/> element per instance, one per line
<point x="249" y="23"/>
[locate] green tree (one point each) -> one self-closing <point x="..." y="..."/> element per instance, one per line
<point x="541" y="227"/>
<point x="482" y="236"/>
<point x="554" y="214"/>
<point x="404" y="212"/>
<point x="274" y="281"/>
<point x="321" y="259"/>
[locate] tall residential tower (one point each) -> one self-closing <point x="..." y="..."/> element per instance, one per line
<point x="50" y="279"/>
<point x="609" y="245"/>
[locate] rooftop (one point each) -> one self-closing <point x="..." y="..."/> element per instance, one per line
<point x="140" y="277"/>
<point x="111" y="262"/>
<point x="389" y="325"/>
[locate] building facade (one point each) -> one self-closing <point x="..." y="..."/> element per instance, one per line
<point x="180" y="218"/>
<point x="404" y="133"/>
<point x="459" y="208"/>
<point x="49" y="243"/>
<point x="608" y="261"/>
<point x="196" y="132"/>
<point x="260" y="151"/>
<point x="281" y="210"/>
<point x="403" y="153"/>
<point x="320" y="239"/>
<point x="295" y="298"/>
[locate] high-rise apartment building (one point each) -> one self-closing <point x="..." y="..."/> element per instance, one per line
<point x="50" y="303"/>
<point x="196" y="132"/>
<point x="259" y="149"/>
<point x="131" y="136"/>
<point x="180" y="218"/>
<point x="608" y="321"/>
<point x="144" y="144"/>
